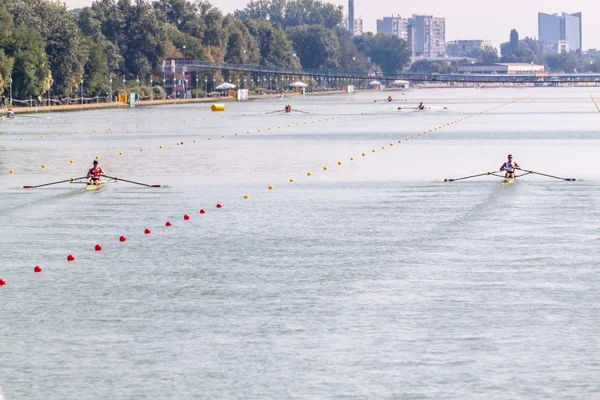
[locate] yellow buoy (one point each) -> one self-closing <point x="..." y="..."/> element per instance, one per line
<point x="60" y="134"/>
<point x="71" y="162"/>
<point x="291" y="180"/>
<point x="364" y="155"/>
<point x="42" y="136"/>
<point x="194" y="140"/>
<point x="339" y="163"/>
<point x="11" y="172"/>
<point x="351" y="158"/>
<point x="160" y="147"/>
<point x="217" y="107"/>
<point x="308" y="174"/>
<point x="120" y="153"/>
<point x="43" y="166"/>
<point x="246" y="197"/>
<point x="141" y="150"/>
<point x="373" y="151"/>
<point x="97" y="157"/>
<point x="271" y="187"/>
<point x="324" y="168"/>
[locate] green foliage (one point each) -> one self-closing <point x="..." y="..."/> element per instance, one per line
<point x="316" y="46"/>
<point x="31" y="74"/>
<point x="387" y="51"/>
<point x="273" y="44"/>
<point x="528" y="50"/>
<point x="431" y="67"/>
<point x="6" y="63"/>
<point x="514" y="40"/>
<point x="293" y="13"/>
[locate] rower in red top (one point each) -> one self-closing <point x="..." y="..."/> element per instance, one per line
<point x="95" y="173"/>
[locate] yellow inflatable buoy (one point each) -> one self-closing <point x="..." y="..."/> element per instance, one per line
<point x="271" y="187"/>
<point x="246" y="197"/>
<point x="217" y="107"/>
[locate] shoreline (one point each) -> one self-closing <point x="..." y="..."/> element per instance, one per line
<point x="145" y="103"/>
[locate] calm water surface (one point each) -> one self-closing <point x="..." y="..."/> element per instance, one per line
<point x="369" y="280"/>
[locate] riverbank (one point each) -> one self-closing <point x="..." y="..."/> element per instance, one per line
<point x="145" y="103"/>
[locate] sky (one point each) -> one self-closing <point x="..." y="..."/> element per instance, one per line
<point x="465" y="19"/>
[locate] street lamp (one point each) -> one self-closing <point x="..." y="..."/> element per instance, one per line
<point x="184" y="51"/>
<point x="206" y="86"/>
<point x="164" y="87"/>
<point x="185" y="89"/>
<point x="174" y="87"/>
<point x="110" y="88"/>
<point x="82" y="91"/>
<point x="197" y="94"/>
<point x="11" y="99"/>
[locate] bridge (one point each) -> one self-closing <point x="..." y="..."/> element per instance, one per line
<point x="171" y="68"/>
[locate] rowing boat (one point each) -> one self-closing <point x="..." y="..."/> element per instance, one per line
<point x="97" y="186"/>
<point x="508" y="181"/>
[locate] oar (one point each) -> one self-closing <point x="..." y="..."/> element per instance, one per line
<point x="272" y="112"/>
<point x="27" y="116"/>
<point x="135" y="183"/>
<point x="301" y="111"/>
<point x="53" y="183"/>
<point x="469" y="177"/>
<point x="550" y="176"/>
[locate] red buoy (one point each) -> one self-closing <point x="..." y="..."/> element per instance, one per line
<point x="147" y="231"/>
<point x="70" y="257"/>
<point x="168" y="223"/>
<point x="37" y="269"/>
<point x="186" y="217"/>
<point x="219" y="205"/>
<point x="2" y="282"/>
<point x="122" y="239"/>
<point x="181" y="142"/>
<point x="98" y="247"/>
<point x="203" y="211"/>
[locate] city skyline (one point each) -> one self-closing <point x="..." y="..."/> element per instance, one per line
<point x="460" y="24"/>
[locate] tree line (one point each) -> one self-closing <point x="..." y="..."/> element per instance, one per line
<point x="44" y="47"/>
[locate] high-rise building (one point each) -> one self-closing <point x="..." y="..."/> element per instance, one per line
<point x="351" y="16"/>
<point x="396" y="26"/>
<point x="554" y="30"/>
<point x="358" y="27"/>
<point x="427" y="36"/>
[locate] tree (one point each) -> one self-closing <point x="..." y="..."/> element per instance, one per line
<point x="430" y="67"/>
<point x="274" y="46"/>
<point x="31" y="74"/>
<point x="514" y="40"/>
<point x="316" y="46"/>
<point x="389" y="52"/>
<point x="488" y="55"/>
<point x="293" y="13"/>
<point x="350" y="58"/>
<point x="6" y="63"/>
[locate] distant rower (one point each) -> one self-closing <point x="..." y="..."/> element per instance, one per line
<point x="421" y="106"/>
<point x="389" y="98"/>
<point x="510" y="166"/>
<point x="10" y="114"/>
<point x="95" y="173"/>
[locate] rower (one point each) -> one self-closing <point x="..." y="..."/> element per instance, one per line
<point x="389" y="98"/>
<point x="10" y="114"/>
<point x="95" y="173"/>
<point x="421" y="106"/>
<point x="510" y="166"/>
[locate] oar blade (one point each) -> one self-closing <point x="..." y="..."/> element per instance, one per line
<point x="28" y="187"/>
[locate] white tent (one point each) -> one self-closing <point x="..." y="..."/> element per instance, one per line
<point x="375" y="83"/>
<point x="401" y="82"/>
<point x="299" y="84"/>
<point x="225" y="86"/>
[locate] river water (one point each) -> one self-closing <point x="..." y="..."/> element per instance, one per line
<point x="371" y="279"/>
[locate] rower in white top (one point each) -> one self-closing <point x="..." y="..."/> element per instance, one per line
<point x="510" y="166"/>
